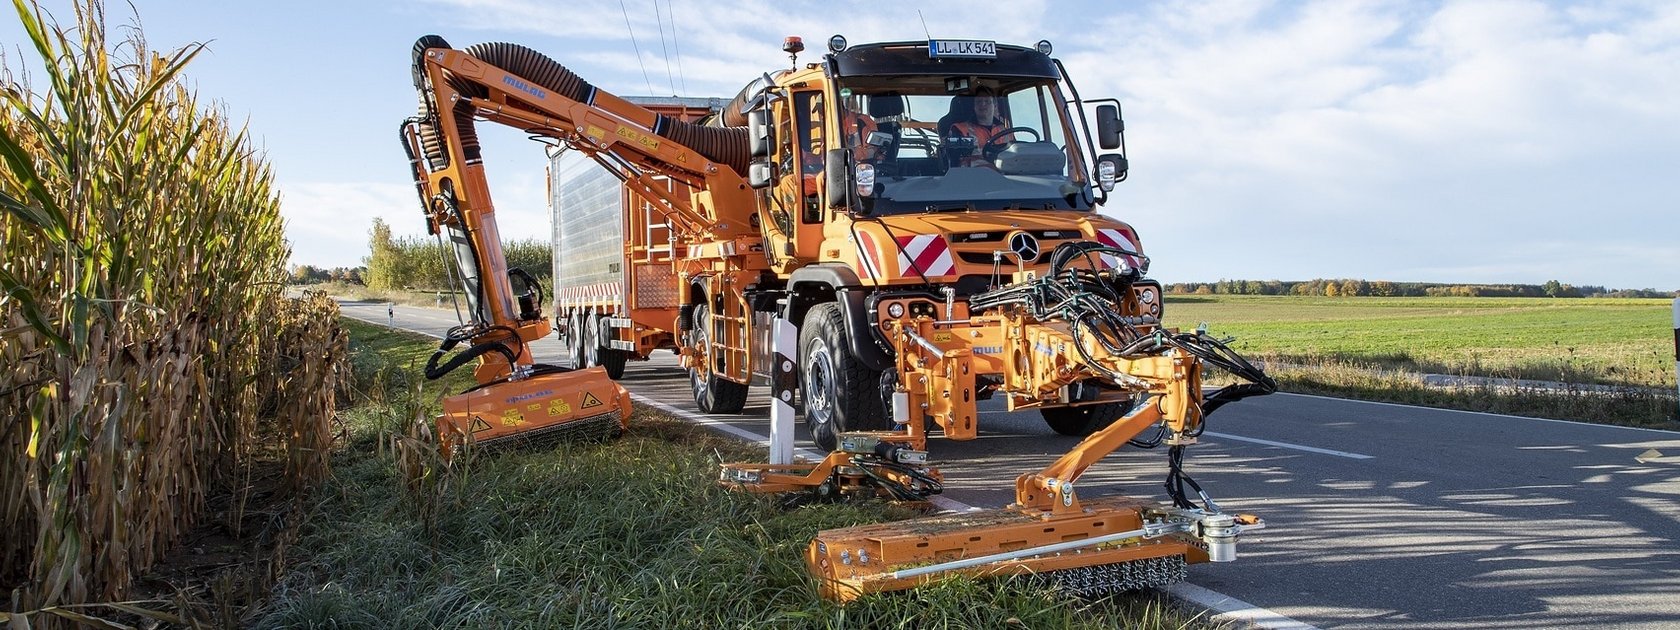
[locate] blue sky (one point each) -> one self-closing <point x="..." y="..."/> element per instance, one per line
<point x="1502" y="141"/>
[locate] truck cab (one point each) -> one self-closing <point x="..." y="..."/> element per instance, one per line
<point x="880" y="183"/>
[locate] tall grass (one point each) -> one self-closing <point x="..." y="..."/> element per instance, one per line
<point x="149" y="356"/>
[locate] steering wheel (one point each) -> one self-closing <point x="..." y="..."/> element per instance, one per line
<point x="1002" y="141"/>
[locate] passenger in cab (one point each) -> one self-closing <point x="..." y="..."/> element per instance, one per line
<point x="984" y="126"/>
<point x="857" y="127"/>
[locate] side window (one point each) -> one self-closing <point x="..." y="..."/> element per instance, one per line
<point x="808" y="152"/>
<point x="1034" y="109"/>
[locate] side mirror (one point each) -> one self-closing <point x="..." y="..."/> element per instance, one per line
<point x="758" y="174"/>
<point x="1111" y="168"/>
<point x="1109" y="126"/>
<point x="838" y="181"/>
<point x="758" y="131"/>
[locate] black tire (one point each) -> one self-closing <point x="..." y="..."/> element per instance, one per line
<point x="610" y="358"/>
<point x="841" y="394"/>
<point x="712" y="394"/>
<point x="1085" y="419"/>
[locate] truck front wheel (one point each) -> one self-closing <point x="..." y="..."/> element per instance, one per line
<point x="712" y="393"/>
<point x="1085" y="419"/>
<point x="841" y="394"/>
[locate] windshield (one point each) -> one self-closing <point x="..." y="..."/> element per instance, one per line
<point x="991" y="145"/>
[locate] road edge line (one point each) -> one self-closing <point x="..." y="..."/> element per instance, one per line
<point x="1578" y="423"/>
<point x="1226" y="607"/>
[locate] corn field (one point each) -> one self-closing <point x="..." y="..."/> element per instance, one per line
<point x="149" y="356"/>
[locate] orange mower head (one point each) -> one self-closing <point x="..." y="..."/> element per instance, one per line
<point x="1114" y="545"/>
<point x="546" y="407"/>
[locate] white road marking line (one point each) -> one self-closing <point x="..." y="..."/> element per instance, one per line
<point x="1486" y="413"/>
<point x="1224" y="605"/>
<point x="1231" y="608"/>
<point x="1298" y="447"/>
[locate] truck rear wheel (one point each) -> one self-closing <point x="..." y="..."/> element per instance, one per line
<point x="713" y="394"/>
<point x="1085" y="419"/>
<point x="840" y="393"/>
<point x="601" y="356"/>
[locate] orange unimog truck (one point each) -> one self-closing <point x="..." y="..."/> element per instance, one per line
<point x="871" y="201"/>
<point x="915" y="225"/>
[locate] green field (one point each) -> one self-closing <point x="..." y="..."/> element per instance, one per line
<point x="1605" y="341"/>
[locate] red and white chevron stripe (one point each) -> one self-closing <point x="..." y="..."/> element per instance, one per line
<point x="1120" y="239"/>
<point x="930" y="253"/>
<point x="866" y="255"/>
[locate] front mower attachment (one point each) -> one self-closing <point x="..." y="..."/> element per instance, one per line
<point x="576" y="405"/>
<point x="1116" y="544"/>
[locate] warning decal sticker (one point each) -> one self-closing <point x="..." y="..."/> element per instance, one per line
<point x="559" y="407"/>
<point x="479" y="424"/>
<point x="512" y="418"/>
<point x="589" y="400"/>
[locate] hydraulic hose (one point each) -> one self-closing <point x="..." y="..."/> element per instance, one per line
<point x="725" y="145"/>
<point x="435" y="371"/>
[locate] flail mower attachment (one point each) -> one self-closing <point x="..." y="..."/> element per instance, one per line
<point x="527" y="405"/>
<point x="545" y="408"/>
<point x="1085" y="548"/>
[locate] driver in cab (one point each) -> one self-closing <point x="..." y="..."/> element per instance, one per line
<point x="985" y="127"/>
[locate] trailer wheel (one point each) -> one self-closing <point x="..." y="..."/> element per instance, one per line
<point x="712" y="394"/>
<point x="841" y="394"/>
<point x="601" y="356"/>
<point x="574" y="340"/>
<point x="1085" y="419"/>
<point x="591" y="341"/>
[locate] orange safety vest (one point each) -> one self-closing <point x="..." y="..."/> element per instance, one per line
<point x="857" y="128"/>
<point x="983" y="135"/>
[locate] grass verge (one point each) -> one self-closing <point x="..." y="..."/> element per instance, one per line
<point x="1623" y="406"/>
<point x="628" y="534"/>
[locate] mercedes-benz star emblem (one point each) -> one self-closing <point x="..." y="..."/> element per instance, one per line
<point x="1025" y="246"/>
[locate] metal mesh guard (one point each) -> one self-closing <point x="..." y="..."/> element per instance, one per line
<point x="598" y="428"/>
<point x="1111" y="579"/>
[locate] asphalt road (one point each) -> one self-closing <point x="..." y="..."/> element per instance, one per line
<point x="1379" y="516"/>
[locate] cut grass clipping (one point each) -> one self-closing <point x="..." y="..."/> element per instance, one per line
<point x="633" y="533"/>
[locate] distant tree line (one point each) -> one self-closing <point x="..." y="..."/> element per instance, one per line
<point x="414" y="262"/>
<point x="1385" y="288"/>
<point x="310" y="274"/>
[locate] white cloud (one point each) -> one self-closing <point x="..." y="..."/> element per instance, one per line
<point x="327" y="223"/>
<point x="1338" y="139"/>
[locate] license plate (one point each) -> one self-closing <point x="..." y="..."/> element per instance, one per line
<point x="962" y="48"/>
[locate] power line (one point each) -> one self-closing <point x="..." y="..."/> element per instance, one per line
<point x="672" y="15"/>
<point x="663" y="51"/>
<point x="635" y="46"/>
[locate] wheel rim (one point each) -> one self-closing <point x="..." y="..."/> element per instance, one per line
<point x="819" y="386"/>
<point x="592" y="343"/>
<point x="700" y="376"/>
